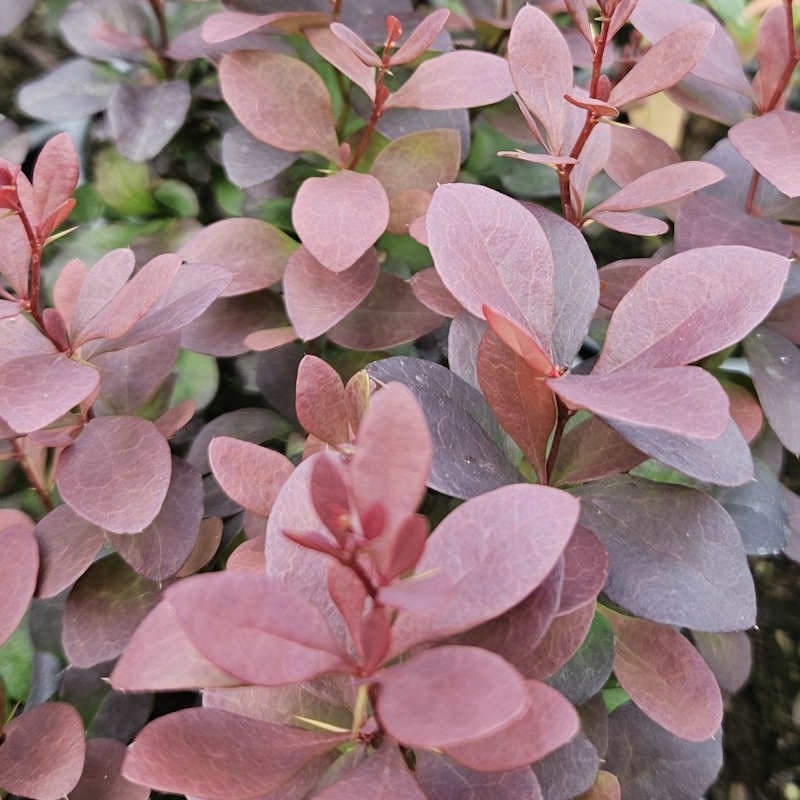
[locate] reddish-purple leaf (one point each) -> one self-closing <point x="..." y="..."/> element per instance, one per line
<point x="666" y="677"/>
<point x="650" y="762"/>
<point x="254" y="252"/>
<point x="729" y="655"/>
<point x="523" y="403"/>
<point x="161" y="549"/>
<point x="160" y="657"/>
<point x="15" y="254"/>
<point x="421" y="38"/>
<point x="270" y="339"/>
<point x="37" y="390"/>
<point x="541" y="66"/>
<point x="320" y="401"/>
<point x="769" y="144"/>
<point x="229" y="25"/>
<point x="390" y="315"/>
<point x="495" y="553"/>
<point x="317" y="298"/>
<point x="219" y="755"/>
<point x="630" y="222"/>
<point x="55" y="176"/>
<point x="280" y="100"/>
<point x="18" y="581"/>
<point x="143" y="119"/>
<point x="549" y="724"/>
<point x="255" y="627"/>
<point x="208" y="540"/>
<point x="339" y="216"/>
<point x="117" y="473"/>
<point x="101" y="778"/>
<point x="489" y="250"/>
<point x="417" y="699"/>
<point x="430" y="290"/>
<point x="775" y="365"/>
<point x="393" y="454"/>
<point x="334" y="50"/>
<point x="43" y="752"/>
<point x="675" y="555"/>
<point x="67" y="546"/>
<point x="585" y="570"/>
<point x="634" y="152"/>
<point x="775" y="50"/>
<point x="462" y="79"/>
<point x="665" y="63"/>
<point x="442" y="779"/>
<point x="661" y="186"/>
<point x="733" y="289"/>
<point x="249" y="474"/>
<point x="383" y="776"/>
<point x="103" y="610"/>
<point x="356" y="44"/>
<point x="522" y="343"/>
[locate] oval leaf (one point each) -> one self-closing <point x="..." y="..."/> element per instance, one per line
<point x="18" y="580"/>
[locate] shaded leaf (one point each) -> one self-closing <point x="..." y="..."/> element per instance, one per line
<point x="101" y="778"/>
<point x="248" y="161"/>
<point x="568" y="771"/>
<point x="729" y="655"/>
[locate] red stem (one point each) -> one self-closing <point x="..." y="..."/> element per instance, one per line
<point x="749" y="205"/>
<point x="563" y="414"/>
<point x="377" y="113"/>
<point x="36" y="266"/>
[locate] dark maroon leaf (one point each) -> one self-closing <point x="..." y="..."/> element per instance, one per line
<point x="461" y="79"/>
<point x="549" y="724"/>
<point x="280" y="100"/>
<point x="769" y="143"/>
<point x="650" y="762"/>
<point x="389" y="316"/>
<point x="729" y="655"/>
<point x="666" y="677"/>
<point x="675" y="554"/>
<point x="117" y="473"/>
<point x="568" y="771"/>
<point x="501" y="532"/>
<point x="18" y="581"/>
<point x="161" y="549"/>
<point x="467" y="455"/>
<point x="775" y="365"/>
<point x="254" y="252"/>
<point x="317" y="298"/>
<point x="67" y="546"/>
<point x="143" y="119"/>
<point x="248" y="161"/>
<point x="219" y="755"/>
<point x="249" y="474"/>
<point x="737" y="285"/>
<point x="441" y="779"/>
<point x="416" y="698"/>
<point x="255" y="627"/>
<point x="43" y="752"/>
<point x="101" y="778"/>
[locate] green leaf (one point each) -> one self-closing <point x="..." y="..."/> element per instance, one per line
<point x="614" y="698"/>
<point x="16" y="663"/>
<point x="198" y="378"/>
<point x="124" y="185"/>
<point x="177" y="197"/>
<point x="90" y="205"/>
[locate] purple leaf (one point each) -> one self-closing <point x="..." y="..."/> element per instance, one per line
<point x="21" y="561"/>
<point x="13" y="15"/>
<point x="468" y="459"/>
<point x="160" y="657"/>
<point x="339" y="216"/>
<point x="390" y="315"/>
<point x="254" y="252"/>
<point x="321" y="404"/>
<point x="568" y="772"/>
<point x="441" y="779"/>
<point x="775" y="50"/>
<point x="15" y="254"/>
<point x="733" y="289"/>
<point x="541" y="66"/>
<point x="117" y="473"/>
<point x="37" y="390"/>
<point x="103" y="610"/>
<point x="101" y="778"/>
<point x="775" y="365"/>
<point x="490" y="251"/>
<point x="665" y="63"/>
<point x="248" y="161"/>
<point x="700" y="580"/>
<point x="280" y="100"/>
<point x="416" y="698"/>
<point x="462" y="79"/>
<point x="317" y="298"/>
<point x="666" y="677"/>
<point x="161" y="549"/>
<point x="729" y="655"/>
<point x="67" y="546"/>
<point x="393" y="454"/>
<point x="75" y="89"/>
<point x="585" y="570"/>
<point x="219" y="755"/>
<point x="43" y="752"/>
<point x="255" y="627"/>
<point x="650" y="762"/>
<point x="502" y="535"/>
<point x="382" y="776"/>
<point x="143" y="119"/>
<point x="421" y="38"/>
<point x="106" y="30"/>
<point x="549" y="724"/>
<point x="249" y="474"/>
<point x="335" y="51"/>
